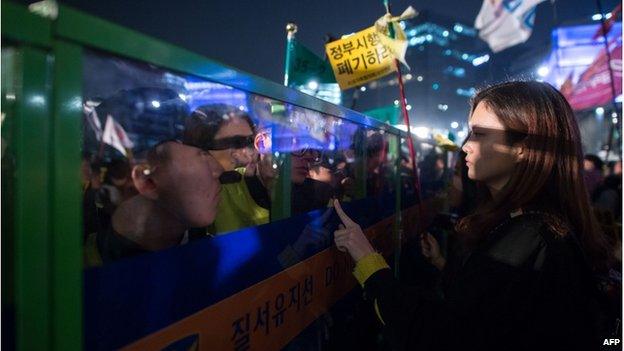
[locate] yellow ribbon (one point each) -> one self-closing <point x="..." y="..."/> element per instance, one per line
<point x="398" y="44"/>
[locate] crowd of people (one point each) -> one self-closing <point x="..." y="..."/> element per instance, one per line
<point x="532" y="222"/>
<point x="214" y="177"/>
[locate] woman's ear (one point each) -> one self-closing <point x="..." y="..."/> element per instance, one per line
<point x="142" y="177"/>
<point x="520" y="152"/>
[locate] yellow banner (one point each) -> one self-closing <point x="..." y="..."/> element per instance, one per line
<point x="360" y="58"/>
<point x="267" y="315"/>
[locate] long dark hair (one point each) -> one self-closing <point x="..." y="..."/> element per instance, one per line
<point x="538" y="117"/>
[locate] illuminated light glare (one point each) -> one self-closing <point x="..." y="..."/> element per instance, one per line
<point x="600" y="111"/>
<point x="614" y="120"/>
<point x="37" y="100"/>
<point x="75" y="102"/>
<point x="241" y="107"/>
<point x="156" y="103"/>
<point x="274" y="166"/>
<point x="313" y="85"/>
<point x="182" y="96"/>
<point x="276" y="154"/>
<point x="402" y="24"/>
<point x="543" y="71"/>
<point x="458" y="28"/>
<point x="429" y="37"/>
<point x="363" y="88"/>
<point x="454" y="125"/>
<point x="614" y="114"/>
<point x="480" y="60"/>
<point x="461" y="134"/>
<point x="408" y="107"/>
<point x="464" y="56"/>
<point x="608" y="15"/>
<point x="421" y="132"/>
<point x="396" y="102"/>
<point x="435" y="86"/>
<point x="419" y="78"/>
<point x="408" y="76"/>
<point x="412" y="32"/>
<point x="597" y="17"/>
<point x="442" y="107"/>
<point x="402" y="127"/>
<point x="10" y="97"/>
<point x="445" y="33"/>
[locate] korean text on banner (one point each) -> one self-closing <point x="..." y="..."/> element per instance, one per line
<point x="360" y="58"/>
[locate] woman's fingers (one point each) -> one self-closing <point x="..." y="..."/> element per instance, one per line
<point x="425" y="245"/>
<point x="340" y="241"/>
<point x="343" y="237"/>
<point x="430" y="239"/>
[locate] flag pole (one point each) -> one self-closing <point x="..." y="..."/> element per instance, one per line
<point x="406" y="120"/>
<point x="291" y="29"/>
<point x="603" y="29"/>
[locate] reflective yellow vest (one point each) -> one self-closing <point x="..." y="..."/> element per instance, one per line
<point x="237" y="209"/>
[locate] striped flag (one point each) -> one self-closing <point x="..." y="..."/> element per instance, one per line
<point x="505" y="23"/>
<point x="115" y="136"/>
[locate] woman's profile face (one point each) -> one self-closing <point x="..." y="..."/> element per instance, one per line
<point x="490" y="158"/>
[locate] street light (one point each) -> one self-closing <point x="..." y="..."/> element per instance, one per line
<point x="313" y="85"/>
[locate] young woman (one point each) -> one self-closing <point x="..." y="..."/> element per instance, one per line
<point x="525" y="282"/>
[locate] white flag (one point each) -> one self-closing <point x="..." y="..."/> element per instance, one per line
<point x="505" y="23"/>
<point x="115" y="136"/>
<point x="93" y="121"/>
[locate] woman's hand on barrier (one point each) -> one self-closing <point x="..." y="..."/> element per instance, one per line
<point x="349" y="237"/>
<point x="431" y="250"/>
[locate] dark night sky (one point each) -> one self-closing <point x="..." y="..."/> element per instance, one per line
<point x="250" y="35"/>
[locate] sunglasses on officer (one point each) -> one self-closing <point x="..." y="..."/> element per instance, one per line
<point x="233" y="142"/>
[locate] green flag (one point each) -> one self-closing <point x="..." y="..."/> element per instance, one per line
<point x="305" y="66"/>
<point x="384" y="114"/>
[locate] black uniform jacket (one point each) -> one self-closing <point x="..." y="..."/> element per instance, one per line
<point x="523" y="289"/>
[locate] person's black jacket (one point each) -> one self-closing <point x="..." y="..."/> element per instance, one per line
<point x="523" y="289"/>
<point x="310" y="195"/>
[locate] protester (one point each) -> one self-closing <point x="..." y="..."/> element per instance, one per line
<point x="533" y="245"/>
<point x="178" y="189"/>
<point x="228" y="134"/>
<point x="307" y="194"/>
